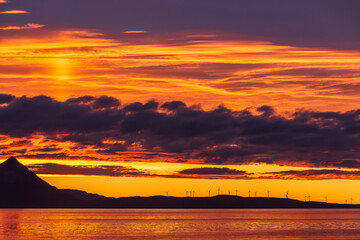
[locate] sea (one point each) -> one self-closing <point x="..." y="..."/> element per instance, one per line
<point x="179" y="224"/>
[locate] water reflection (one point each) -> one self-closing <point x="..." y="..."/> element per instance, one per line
<point x="10" y="222"/>
<point x="178" y="224"/>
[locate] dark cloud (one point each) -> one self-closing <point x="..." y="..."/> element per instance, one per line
<point x="174" y="105"/>
<point x="106" y="102"/>
<point x="47" y="149"/>
<point x="18" y="152"/>
<point x="315" y="174"/>
<point x="114" y="148"/>
<point x="20" y="143"/>
<point x="212" y="171"/>
<point x="81" y="100"/>
<point x="137" y="106"/>
<point x="221" y="155"/>
<point x="266" y="111"/>
<point x="6" y="98"/>
<point x="205" y="173"/>
<point x="122" y="171"/>
<point x="221" y="135"/>
<point x="93" y="170"/>
<point x="348" y="164"/>
<point x="96" y="103"/>
<point x="44" y="114"/>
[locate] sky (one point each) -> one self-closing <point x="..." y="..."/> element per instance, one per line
<point x="145" y="97"/>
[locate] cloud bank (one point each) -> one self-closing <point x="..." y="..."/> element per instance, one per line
<point x="220" y="136"/>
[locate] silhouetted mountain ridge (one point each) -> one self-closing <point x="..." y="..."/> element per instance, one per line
<point x="21" y="188"/>
<point x="15" y="177"/>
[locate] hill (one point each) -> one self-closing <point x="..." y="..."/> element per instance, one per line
<point x="22" y="188"/>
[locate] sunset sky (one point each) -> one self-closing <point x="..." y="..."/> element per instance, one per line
<point x="144" y="97"/>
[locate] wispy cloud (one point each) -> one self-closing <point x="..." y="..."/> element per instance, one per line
<point x="194" y="173"/>
<point x="135" y="32"/>
<point x="14" y="12"/>
<point x="200" y="68"/>
<point x="26" y="26"/>
<point x="314" y="174"/>
<point x="211" y="171"/>
<point x="86" y="170"/>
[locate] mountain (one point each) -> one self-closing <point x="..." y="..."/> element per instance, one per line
<point x="21" y="188"/>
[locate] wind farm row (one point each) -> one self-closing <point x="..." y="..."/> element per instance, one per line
<point x="254" y="194"/>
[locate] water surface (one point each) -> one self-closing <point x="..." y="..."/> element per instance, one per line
<point x="179" y="224"/>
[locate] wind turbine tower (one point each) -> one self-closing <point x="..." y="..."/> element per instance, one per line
<point x="249" y="193"/>
<point x="268" y="193"/>
<point x="287" y="194"/>
<point x="209" y="192"/>
<point x="219" y="191"/>
<point x="236" y="191"/>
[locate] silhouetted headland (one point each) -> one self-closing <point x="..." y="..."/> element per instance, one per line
<point x="22" y="188"/>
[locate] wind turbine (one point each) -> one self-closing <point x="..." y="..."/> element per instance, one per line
<point x="236" y="191"/>
<point x="268" y="193"/>
<point x="309" y="197"/>
<point x="209" y="192"/>
<point x="229" y="192"/>
<point x="219" y="191"/>
<point x="345" y="201"/>
<point x="249" y="193"/>
<point x="167" y="193"/>
<point x="305" y="197"/>
<point x="287" y="194"/>
<point x="255" y="193"/>
<point x="351" y="200"/>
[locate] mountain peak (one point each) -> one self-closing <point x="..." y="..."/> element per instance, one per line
<point x="17" y="182"/>
<point x="20" y="187"/>
<point x="12" y="159"/>
<point x="12" y="162"/>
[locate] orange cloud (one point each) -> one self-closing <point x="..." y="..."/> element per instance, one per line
<point x="27" y="26"/>
<point x="193" y="68"/>
<point x="14" y="12"/>
<point x="135" y="32"/>
<point x="211" y="71"/>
